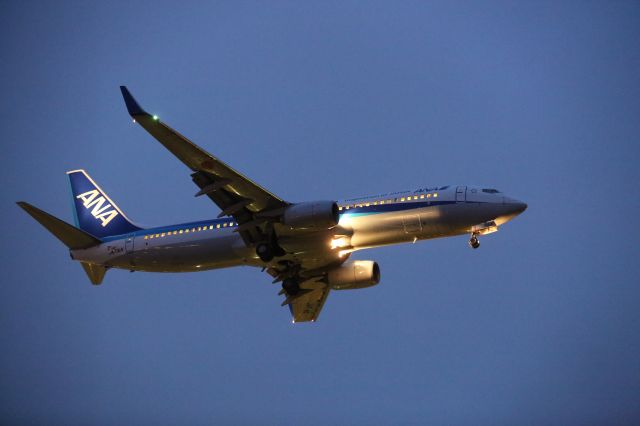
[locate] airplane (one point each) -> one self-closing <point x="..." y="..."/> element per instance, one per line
<point x="305" y="247"/>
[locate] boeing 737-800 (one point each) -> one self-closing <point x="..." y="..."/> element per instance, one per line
<point x="304" y="246"/>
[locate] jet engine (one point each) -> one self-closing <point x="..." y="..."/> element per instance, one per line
<point x="312" y="215"/>
<point x="354" y="274"/>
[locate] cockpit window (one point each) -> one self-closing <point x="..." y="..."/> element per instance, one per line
<point x="490" y="191"/>
<point x="442" y="188"/>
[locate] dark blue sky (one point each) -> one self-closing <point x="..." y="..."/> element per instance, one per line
<point x="328" y="100"/>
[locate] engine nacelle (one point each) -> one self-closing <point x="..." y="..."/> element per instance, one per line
<point x="354" y="274"/>
<point x="312" y="215"/>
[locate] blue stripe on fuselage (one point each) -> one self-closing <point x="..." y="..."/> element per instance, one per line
<point x="385" y="208"/>
<point x="177" y="227"/>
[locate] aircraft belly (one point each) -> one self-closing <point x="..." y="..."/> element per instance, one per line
<point x="194" y="255"/>
<point x="183" y="255"/>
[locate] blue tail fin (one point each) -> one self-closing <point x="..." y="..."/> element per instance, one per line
<point x="93" y="210"/>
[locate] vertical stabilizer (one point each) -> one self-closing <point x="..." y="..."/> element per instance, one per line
<point x="94" y="211"/>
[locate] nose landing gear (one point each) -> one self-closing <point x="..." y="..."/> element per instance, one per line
<point x="473" y="241"/>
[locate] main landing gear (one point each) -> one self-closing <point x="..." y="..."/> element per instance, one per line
<point x="266" y="251"/>
<point x="473" y="241"/>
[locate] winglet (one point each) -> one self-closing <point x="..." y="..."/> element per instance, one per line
<point x="132" y="106"/>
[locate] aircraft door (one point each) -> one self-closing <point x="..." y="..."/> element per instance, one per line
<point x="128" y="244"/>
<point x="412" y="224"/>
<point x="461" y="193"/>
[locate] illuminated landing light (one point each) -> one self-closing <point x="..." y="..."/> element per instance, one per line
<point x="134" y="120"/>
<point x="339" y="242"/>
<point x="155" y="118"/>
<point x="198" y="266"/>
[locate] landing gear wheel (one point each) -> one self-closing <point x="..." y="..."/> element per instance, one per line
<point x="473" y="242"/>
<point x="264" y="252"/>
<point x="291" y="286"/>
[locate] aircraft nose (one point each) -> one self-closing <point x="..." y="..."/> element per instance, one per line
<point x="520" y="206"/>
<point x="515" y="207"/>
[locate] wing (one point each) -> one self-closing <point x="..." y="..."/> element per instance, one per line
<point x="249" y="204"/>
<point x="253" y="207"/>
<point x="307" y="307"/>
<point x="305" y="302"/>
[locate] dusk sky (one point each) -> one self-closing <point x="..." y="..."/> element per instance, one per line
<point x="314" y="101"/>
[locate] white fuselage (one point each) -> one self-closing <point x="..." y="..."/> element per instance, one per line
<point x="366" y="222"/>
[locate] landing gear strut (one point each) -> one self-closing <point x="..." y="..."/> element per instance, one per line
<point x="473" y="241"/>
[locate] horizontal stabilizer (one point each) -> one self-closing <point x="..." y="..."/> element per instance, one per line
<point x="94" y="272"/>
<point x="70" y="236"/>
